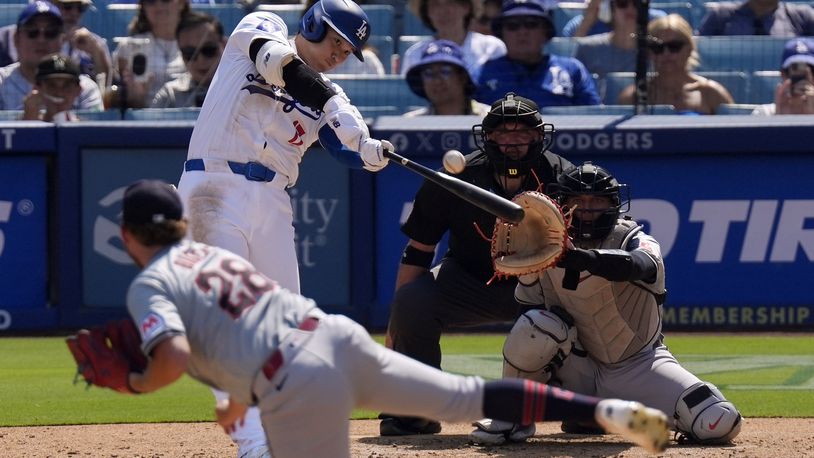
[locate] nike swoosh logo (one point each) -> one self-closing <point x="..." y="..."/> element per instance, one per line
<point x="712" y="426"/>
<point x="279" y="386"/>
<point x="582" y="279"/>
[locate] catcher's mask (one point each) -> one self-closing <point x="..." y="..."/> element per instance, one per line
<point x="522" y="112"/>
<point x="589" y="179"/>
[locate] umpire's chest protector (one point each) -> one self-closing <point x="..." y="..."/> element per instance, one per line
<point x="614" y="320"/>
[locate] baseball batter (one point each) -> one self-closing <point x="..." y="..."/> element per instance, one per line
<point x="266" y="105"/>
<point x="208" y="312"/>
<point x="609" y="289"/>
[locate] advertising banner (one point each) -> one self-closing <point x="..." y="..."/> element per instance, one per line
<point x="24" y="242"/>
<point x="321" y="218"/>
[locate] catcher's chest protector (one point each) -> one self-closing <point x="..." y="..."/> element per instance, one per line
<point x="614" y="320"/>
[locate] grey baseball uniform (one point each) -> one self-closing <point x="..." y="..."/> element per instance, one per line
<point x="267" y="346"/>
<point x="618" y="325"/>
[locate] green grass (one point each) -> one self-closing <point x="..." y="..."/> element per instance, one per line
<point x="764" y="375"/>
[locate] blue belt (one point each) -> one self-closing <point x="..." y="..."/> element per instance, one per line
<point x="253" y="171"/>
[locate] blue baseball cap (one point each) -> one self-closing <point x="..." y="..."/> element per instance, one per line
<point x="151" y="202"/>
<point x="37" y="8"/>
<point x="437" y="52"/>
<point x="798" y="50"/>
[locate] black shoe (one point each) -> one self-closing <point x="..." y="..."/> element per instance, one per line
<point x="582" y="427"/>
<point x="407" y="426"/>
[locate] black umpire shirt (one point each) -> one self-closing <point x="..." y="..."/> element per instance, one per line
<point x="436" y="211"/>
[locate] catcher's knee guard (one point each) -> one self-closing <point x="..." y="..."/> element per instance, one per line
<point x="705" y="416"/>
<point x="539" y="340"/>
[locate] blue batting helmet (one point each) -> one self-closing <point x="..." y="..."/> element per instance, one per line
<point x="344" y="16"/>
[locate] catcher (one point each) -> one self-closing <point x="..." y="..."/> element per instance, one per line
<point x="595" y="327"/>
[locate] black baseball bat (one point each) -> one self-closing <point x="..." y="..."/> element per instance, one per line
<point x="502" y="208"/>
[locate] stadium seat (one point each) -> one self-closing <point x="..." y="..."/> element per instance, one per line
<point x="762" y="86"/>
<point x="290" y="13"/>
<point x="408" y="40"/>
<point x="10" y="11"/>
<point x="10" y="115"/>
<point x="382" y="19"/>
<point x="683" y="9"/>
<point x="229" y="14"/>
<point x="605" y="110"/>
<point x="561" y="46"/>
<point x="381" y="91"/>
<point x="564" y="12"/>
<point x="412" y="25"/>
<point x="740" y="53"/>
<point x="615" y="82"/>
<point x="162" y="114"/>
<point x="736" y="108"/>
<point x="96" y="115"/>
<point x="737" y="83"/>
<point x="117" y="17"/>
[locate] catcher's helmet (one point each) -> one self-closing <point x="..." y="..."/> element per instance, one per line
<point x="344" y="16"/>
<point x="596" y="181"/>
<point x="520" y="110"/>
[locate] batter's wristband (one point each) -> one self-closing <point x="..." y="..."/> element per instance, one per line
<point x="412" y="256"/>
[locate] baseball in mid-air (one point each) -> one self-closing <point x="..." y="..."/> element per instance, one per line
<point x="454" y="161"/>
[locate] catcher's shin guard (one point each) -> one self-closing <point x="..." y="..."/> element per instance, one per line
<point x="703" y="415"/>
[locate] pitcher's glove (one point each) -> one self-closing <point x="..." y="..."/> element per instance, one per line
<point x="105" y="355"/>
<point x="534" y="244"/>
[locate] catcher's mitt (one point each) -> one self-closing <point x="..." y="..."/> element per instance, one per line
<point x="105" y="355"/>
<point x="535" y="243"/>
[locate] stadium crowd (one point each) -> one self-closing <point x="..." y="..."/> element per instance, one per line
<point x="705" y="58"/>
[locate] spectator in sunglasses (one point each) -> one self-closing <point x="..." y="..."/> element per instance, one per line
<point x="599" y="17"/>
<point x="39" y="33"/>
<point x="441" y="78"/>
<point x="795" y="93"/>
<point x="549" y="80"/>
<point x="201" y="41"/>
<point x="450" y="20"/>
<point x="673" y="53"/>
<point x="611" y="51"/>
<point x="758" y="17"/>
<point x="87" y="48"/>
<point x="152" y="47"/>
<point x="490" y="9"/>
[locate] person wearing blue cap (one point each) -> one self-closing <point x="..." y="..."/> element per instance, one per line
<point x="549" y="80"/>
<point x="795" y="93"/>
<point x="441" y="78"/>
<point x="39" y="33"/>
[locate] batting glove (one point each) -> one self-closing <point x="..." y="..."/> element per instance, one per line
<point x="346" y="121"/>
<point x="371" y="154"/>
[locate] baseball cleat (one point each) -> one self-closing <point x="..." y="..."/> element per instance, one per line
<point x="497" y="432"/>
<point x="641" y="425"/>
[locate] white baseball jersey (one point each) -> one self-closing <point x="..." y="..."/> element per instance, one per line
<point x="236" y="320"/>
<point x="246" y="119"/>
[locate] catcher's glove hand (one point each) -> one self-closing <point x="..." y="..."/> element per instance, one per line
<point x="535" y="243"/>
<point x="105" y="355"/>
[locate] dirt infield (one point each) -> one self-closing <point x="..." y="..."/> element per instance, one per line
<point x="761" y="437"/>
